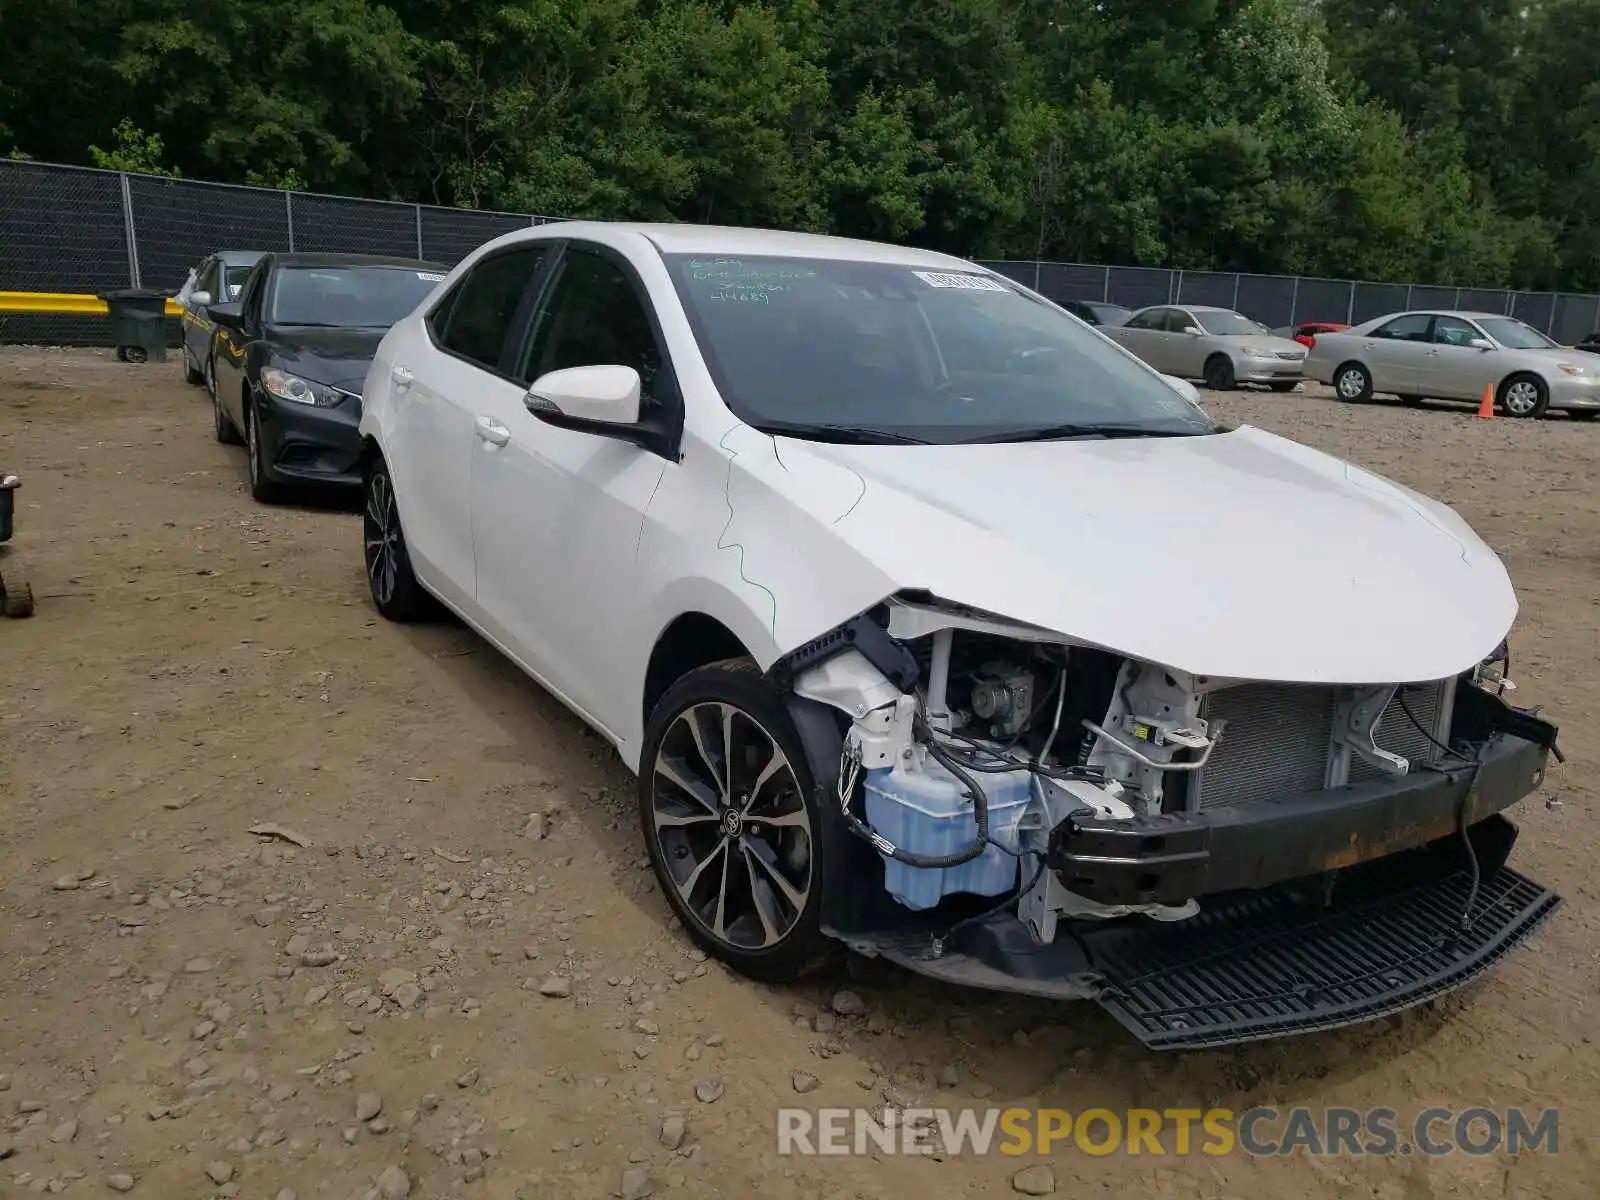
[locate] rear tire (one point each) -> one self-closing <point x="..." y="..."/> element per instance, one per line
<point x="1218" y="374"/>
<point x="395" y="591"/>
<point x="19" y="600"/>
<point x="1524" y="396"/>
<point x="1352" y="383"/>
<point x="741" y="869"/>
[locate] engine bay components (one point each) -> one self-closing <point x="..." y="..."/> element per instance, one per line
<point x="971" y="781"/>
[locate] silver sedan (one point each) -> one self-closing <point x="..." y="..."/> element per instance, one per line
<point x="1217" y="345"/>
<point x="1455" y="356"/>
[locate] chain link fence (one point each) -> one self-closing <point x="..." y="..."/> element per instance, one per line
<point x="76" y="229"/>
<point x="1284" y="301"/>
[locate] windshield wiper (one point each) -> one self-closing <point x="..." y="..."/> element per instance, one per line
<point x="1051" y="433"/>
<point x="849" y="435"/>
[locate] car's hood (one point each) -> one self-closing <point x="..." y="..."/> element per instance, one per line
<point x="1240" y="555"/>
<point x="1262" y="341"/>
<point x="1555" y="354"/>
<point x="339" y="357"/>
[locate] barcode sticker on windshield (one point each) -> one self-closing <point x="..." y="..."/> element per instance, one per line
<point x="429" y="276"/>
<point x="947" y="279"/>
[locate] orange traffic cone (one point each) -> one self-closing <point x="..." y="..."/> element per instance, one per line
<point x="1486" y="405"/>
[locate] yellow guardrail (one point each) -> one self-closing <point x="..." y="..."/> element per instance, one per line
<point x="76" y="304"/>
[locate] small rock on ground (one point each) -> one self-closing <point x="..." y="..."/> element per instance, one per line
<point x="673" y="1130"/>
<point x="1034" y="1181"/>
<point x="219" y="1172"/>
<point x="849" y="1004"/>
<point x="120" y="1182"/>
<point x="368" y="1105"/>
<point x="708" y="1091"/>
<point x="394" y="1184"/>
<point x="556" y="988"/>
<point x="637" y="1184"/>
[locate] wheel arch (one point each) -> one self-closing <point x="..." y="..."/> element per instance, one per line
<point x="690" y="640"/>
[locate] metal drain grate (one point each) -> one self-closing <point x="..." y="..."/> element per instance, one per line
<point x="1266" y="965"/>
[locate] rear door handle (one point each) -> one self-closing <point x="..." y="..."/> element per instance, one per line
<point x="402" y="377"/>
<point x="491" y="431"/>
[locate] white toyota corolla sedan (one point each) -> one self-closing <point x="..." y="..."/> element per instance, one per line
<point x="938" y="627"/>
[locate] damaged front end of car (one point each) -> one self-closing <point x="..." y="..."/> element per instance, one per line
<point x="1213" y="860"/>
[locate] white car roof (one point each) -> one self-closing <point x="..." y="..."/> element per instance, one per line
<point x="671" y="238"/>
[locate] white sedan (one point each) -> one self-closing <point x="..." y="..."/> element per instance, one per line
<point x="937" y="626"/>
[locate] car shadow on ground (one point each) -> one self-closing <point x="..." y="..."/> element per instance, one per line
<point x="1028" y="1051"/>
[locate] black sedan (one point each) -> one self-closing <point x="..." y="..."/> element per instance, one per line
<point x="290" y="357"/>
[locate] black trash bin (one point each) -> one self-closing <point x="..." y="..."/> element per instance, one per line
<point x="138" y="323"/>
<point x="8" y="504"/>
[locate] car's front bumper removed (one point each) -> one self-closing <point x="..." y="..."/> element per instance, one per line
<point x="1317" y="911"/>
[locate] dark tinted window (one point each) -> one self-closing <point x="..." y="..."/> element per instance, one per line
<point x="1413" y="327"/>
<point x="1150" y="319"/>
<point x="234" y="278"/>
<point x="349" y="297"/>
<point x="594" y="317"/>
<point x="937" y="355"/>
<point x="477" y="318"/>
<point x="250" y="297"/>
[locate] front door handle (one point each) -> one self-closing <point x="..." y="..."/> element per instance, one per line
<point x="401" y="376"/>
<point x="491" y="431"/>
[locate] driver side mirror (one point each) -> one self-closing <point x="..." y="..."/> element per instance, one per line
<point x="1194" y="331"/>
<point x="586" y="396"/>
<point x="229" y="316"/>
<point x="199" y="299"/>
<point x="1478" y="343"/>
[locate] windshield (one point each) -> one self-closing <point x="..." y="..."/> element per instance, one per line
<point x="1227" y="324"/>
<point x="895" y="354"/>
<point x="353" y="297"/>
<point x="1514" y="335"/>
<point x="234" y="278"/>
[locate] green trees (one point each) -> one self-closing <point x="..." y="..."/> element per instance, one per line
<point x="1401" y="139"/>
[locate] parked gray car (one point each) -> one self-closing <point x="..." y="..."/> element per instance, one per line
<point x="216" y="280"/>
<point x="1216" y="345"/>
<point x="1454" y="356"/>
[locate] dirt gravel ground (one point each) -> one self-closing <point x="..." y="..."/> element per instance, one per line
<point x="432" y="997"/>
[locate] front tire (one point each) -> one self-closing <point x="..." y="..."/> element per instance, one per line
<point x="1352" y="383"/>
<point x="191" y="374"/>
<point x="261" y="488"/>
<point x="1524" y="396"/>
<point x="1219" y="374"/>
<point x="728" y="808"/>
<point x="393" y="584"/>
